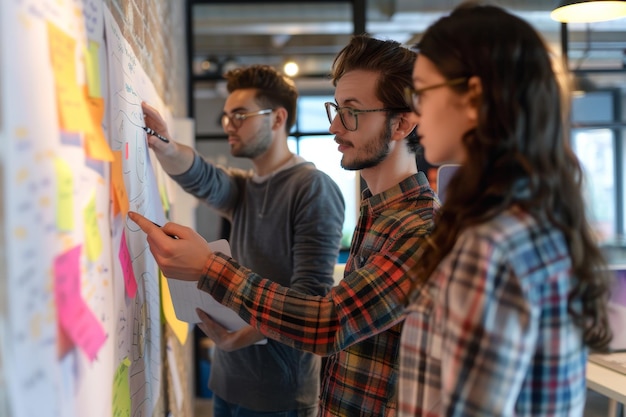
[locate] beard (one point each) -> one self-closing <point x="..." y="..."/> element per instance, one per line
<point x="256" y="147"/>
<point x="375" y="152"/>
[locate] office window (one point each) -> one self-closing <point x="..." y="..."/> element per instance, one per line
<point x="322" y="151"/>
<point x="312" y="141"/>
<point x="312" y="116"/>
<point x="595" y="151"/>
<point x="598" y="143"/>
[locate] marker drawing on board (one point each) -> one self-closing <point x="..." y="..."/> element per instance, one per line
<point x="153" y="133"/>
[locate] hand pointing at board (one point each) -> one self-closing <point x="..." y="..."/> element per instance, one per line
<point x="182" y="258"/>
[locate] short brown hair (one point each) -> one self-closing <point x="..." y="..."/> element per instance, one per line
<point x="273" y="89"/>
<point x="392" y="61"/>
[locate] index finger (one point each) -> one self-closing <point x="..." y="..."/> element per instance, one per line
<point x="147" y="108"/>
<point x="146" y="225"/>
<point x="151" y="113"/>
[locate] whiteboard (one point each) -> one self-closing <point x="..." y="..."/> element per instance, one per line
<point x="80" y="318"/>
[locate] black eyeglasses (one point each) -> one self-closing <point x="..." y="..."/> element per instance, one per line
<point x="349" y="116"/>
<point x="237" y="118"/>
<point x="412" y="96"/>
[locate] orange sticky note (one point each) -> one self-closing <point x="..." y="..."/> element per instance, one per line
<point x="120" y="200"/>
<point x="96" y="145"/>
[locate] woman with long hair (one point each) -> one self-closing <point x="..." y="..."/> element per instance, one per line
<point x="511" y="289"/>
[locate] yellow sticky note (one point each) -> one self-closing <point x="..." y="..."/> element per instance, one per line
<point x="73" y="112"/>
<point x="96" y="145"/>
<point x="165" y="201"/>
<point x="121" y="390"/>
<point x="92" y="67"/>
<point x="180" y="328"/>
<point x="65" y="195"/>
<point x="93" y="239"/>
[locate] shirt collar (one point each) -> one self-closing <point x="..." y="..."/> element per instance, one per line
<point x="414" y="185"/>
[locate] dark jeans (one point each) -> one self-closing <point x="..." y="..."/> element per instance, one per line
<point x="222" y="408"/>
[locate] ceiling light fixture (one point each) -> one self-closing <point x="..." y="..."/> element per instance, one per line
<point x="203" y="66"/>
<point x="589" y="11"/>
<point x="291" y="68"/>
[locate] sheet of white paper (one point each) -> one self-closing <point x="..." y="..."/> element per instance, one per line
<point x="186" y="297"/>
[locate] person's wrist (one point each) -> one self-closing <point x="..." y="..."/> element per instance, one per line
<point x="172" y="150"/>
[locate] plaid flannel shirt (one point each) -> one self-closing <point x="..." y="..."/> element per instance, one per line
<point x="358" y="324"/>
<point x="490" y="334"/>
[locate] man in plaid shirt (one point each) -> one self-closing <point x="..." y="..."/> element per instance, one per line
<point x="358" y="324"/>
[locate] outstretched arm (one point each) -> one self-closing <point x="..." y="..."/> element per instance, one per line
<point x="183" y="257"/>
<point x="181" y="253"/>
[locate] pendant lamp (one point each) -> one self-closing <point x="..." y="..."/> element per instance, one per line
<point x="589" y="11"/>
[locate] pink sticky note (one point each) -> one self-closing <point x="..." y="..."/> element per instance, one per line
<point x="67" y="283"/>
<point x="130" y="283"/>
<point x="86" y="330"/>
<point x="74" y="315"/>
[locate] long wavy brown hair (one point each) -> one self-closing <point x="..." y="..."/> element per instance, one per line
<point x="519" y="153"/>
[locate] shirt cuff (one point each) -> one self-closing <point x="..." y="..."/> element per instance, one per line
<point x="221" y="274"/>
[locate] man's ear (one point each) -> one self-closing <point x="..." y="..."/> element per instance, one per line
<point x="473" y="97"/>
<point x="280" y="118"/>
<point x="405" y="123"/>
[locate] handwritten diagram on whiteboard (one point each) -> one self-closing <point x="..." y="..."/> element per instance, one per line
<point x="81" y="326"/>
<point x="128" y="87"/>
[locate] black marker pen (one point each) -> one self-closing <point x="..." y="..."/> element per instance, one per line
<point x="159" y="226"/>
<point x="153" y="133"/>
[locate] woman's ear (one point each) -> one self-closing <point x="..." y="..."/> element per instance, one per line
<point x="473" y="96"/>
